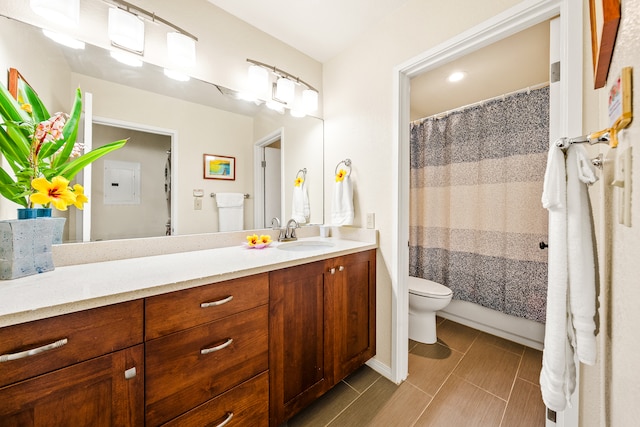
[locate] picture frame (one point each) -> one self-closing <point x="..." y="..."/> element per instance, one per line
<point x="219" y="167"/>
<point x="16" y="82"/>
<point x="605" y="19"/>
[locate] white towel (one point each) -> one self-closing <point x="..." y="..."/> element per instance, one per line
<point x="582" y="284"/>
<point x="300" y="203"/>
<point x="342" y="211"/>
<point x="571" y="284"/>
<point x="230" y="211"/>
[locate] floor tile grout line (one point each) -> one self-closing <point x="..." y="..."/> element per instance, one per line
<point x="506" y="401"/>
<point x="513" y="385"/>
<point x="352" y="402"/>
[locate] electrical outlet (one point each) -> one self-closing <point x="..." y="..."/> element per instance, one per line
<point x="197" y="203"/>
<point x="371" y="220"/>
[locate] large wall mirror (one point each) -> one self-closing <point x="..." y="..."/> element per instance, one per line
<point x="171" y="125"/>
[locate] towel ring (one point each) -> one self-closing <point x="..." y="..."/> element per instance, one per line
<point x="347" y="164"/>
<point x="302" y="171"/>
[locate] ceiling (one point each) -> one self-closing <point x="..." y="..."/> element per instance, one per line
<point x="324" y="28"/>
<point x="319" y="28"/>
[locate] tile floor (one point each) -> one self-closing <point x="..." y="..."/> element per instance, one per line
<point x="468" y="378"/>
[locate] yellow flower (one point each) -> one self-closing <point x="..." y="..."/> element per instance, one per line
<point x="27" y="107"/>
<point x="81" y="199"/>
<point x="340" y="175"/>
<point x="56" y="192"/>
<point x="265" y="238"/>
<point x="252" y="240"/>
<point x="298" y="182"/>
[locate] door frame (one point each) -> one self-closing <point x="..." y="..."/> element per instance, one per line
<point x="85" y="215"/>
<point x="509" y="22"/>
<point x="258" y="182"/>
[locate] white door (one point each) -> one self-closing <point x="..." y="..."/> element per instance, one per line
<point x="272" y="183"/>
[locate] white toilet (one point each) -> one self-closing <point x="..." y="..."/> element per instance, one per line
<point x="425" y="298"/>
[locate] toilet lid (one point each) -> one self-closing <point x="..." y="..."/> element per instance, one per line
<point x="428" y="288"/>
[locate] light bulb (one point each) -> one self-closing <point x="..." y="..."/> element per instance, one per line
<point x="181" y="50"/>
<point x="285" y="90"/>
<point x="64" y="12"/>
<point x="126" y="30"/>
<point x="310" y="100"/>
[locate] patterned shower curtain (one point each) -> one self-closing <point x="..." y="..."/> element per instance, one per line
<point x="476" y="219"/>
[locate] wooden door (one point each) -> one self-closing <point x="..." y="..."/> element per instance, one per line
<point x="299" y="371"/>
<point x="352" y="279"/>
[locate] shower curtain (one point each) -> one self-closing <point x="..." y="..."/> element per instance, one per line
<point x="476" y="220"/>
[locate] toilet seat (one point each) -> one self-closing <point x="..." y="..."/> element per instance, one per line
<point x="428" y="288"/>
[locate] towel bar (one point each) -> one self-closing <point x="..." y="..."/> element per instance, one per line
<point x="302" y="171"/>
<point x="347" y="164"/>
<point x="246" y="195"/>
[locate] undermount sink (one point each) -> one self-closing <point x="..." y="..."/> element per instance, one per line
<point x="305" y="245"/>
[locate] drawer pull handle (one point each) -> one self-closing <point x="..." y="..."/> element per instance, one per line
<point x="216" y="303"/>
<point x="217" y="348"/>
<point x="33" y="351"/>
<point x="226" y="421"/>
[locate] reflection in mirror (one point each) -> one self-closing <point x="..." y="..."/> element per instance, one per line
<point x="167" y="123"/>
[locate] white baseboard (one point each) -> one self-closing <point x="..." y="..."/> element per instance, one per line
<point x="516" y="329"/>
<point x="380" y="368"/>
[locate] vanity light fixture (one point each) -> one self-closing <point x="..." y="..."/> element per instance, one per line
<point x="64" y="12"/>
<point x="64" y="39"/>
<point x="126" y="30"/>
<point x="283" y="89"/>
<point x="181" y="50"/>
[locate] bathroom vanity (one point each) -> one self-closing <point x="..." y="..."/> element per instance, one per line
<point x="224" y="336"/>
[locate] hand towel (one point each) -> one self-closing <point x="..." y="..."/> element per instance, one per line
<point x="300" y="203"/>
<point x="342" y="211"/>
<point x="230" y="211"/>
<point x="582" y="285"/>
<point x="555" y="376"/>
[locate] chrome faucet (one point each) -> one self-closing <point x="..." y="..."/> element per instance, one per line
<point x="290" y="230"/>
<point x="275" y="225"/>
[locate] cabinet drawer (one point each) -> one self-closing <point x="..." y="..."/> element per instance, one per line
<point x="244" y="405"/>
<point x="45" y="345"/>
<point x="187" y="368"/>
<point x="184" y="309"/>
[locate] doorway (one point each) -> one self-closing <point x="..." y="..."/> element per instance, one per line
<point x="515" y="19"/>
<point x="268" y="180"/>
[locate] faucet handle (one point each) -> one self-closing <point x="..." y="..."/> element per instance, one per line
<point x="275" y="220"/>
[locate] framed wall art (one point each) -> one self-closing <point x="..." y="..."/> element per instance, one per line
<point x="605" y="18"/>
<point x="219" y="167"/>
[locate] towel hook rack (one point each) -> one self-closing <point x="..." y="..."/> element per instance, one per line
<point x="347" y="164"/>
<point x="246" y="195"/>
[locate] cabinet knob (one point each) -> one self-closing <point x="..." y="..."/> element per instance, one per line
<point x="130" y="373"/>
<point x="341" y="268"/>
<point x="332" y="271"/>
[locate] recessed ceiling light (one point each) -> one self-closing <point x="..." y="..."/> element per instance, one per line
<point x="457" y="76"/>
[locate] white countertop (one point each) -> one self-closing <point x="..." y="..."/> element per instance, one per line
<point x="79" y="287"/>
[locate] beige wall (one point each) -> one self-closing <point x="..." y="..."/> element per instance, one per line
<point x="359" y="120"/>
<point x="610" y="390"/>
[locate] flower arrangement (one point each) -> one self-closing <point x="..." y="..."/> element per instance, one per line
<point x="298" y="182"/>
<point x="41" y="150"/>
<point x="253" y="241"/>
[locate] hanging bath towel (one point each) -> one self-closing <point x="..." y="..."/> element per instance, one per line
<point x="342" y="211"/>
<point x="570" y="327"/>
<point x="230" y="211"/>
<point x="300" y="203"/>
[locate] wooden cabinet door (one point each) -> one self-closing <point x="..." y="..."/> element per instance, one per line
<point x="299" y="372"/>
<point x="351" y="279"/>
<point x="94" y="393"/>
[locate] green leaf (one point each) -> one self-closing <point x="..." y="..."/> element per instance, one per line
<point x="10" y="190"/>
<point x="70" y="169"/>
<point x="70" y="133"/>
<point x="10" y="109"/>
<point x="40" y="112"/>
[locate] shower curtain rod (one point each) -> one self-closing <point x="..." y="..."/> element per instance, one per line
<point x="473" y="104"/>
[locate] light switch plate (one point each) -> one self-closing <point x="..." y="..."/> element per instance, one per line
<point x="371" y="220"/>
